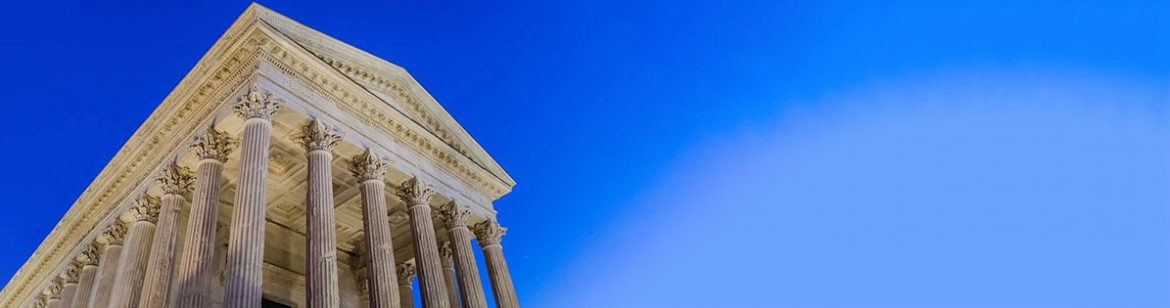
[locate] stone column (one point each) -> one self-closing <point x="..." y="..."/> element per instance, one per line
<point x="455" y="219"/>
<point x="193" y="280"/>
<point x="321" y="238"/>
<point x="132" y="263"/>
<point x="245" y="258"/>
<point x="54" y="293"/>
<point x="69" y="292"/>
<point x="111" y="242"/>
<point x="426" y="252"/>
<point x="489" y="233"/>
<point x="449" y="274"/>
<point x="380" y="279"/>
<point x="175" y="182"/>
<point x="405" y="280"/>
<point x="89" y="259"/>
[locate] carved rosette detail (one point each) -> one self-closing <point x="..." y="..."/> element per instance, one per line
<point x="413" y="192"/>
<point x="72" y="272"/>
<point x="367" y="166"/>
<point x="176" y="180"/>
<point x="406" y="273"/>
<point x="145" y="209"/>
<point x="453" y="215"/>
<point x="316" y="136"/>
<point x="257" y="104"/>
<point x="489" y="232"/>
<point x="214" y="144"/>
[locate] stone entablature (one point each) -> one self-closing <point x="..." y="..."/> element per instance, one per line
<point x="410" y="129"/>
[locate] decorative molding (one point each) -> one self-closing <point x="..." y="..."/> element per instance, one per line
<point x="316" y="136"/>
<point x="489" y="232"/>
<point x="415" y="193"/>
<point x="445" y="255"/>
<point x="55" y="287"/>
<point x="367" y="167"/>
<point x="176" y="180"/>
<point x="257" y="104"/>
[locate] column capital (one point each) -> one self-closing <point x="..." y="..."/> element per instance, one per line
<point x="405" y="273"/>
<point x="144" y="209"/>
<point x="316" y="136"/>
<point x="114" y="235"/>
<point x="256" y="104"/>
<point x="41" y="302"/>
<point x="414" y="192"/>
<point x="367" y="166"/>
<point x="453" y="215"/>
<point x="72" y="272"/>
<point x="214" y="144"/>
<point x="489" y="232"/>
<point x="446" y="255"/>
<point x="176" y="180"/>
<point x="55" y="287"/>
<point x="90" y="255"/>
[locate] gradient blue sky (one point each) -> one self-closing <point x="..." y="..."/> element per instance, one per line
<point x="702" y="154"/>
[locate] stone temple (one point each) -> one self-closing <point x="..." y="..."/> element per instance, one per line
<point x="287" y="169"/>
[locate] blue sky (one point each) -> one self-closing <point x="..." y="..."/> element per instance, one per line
<point x="722" y="153"/>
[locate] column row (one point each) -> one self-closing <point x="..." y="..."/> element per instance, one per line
<point x="132" y="264"/>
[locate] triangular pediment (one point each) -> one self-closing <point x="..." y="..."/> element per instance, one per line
<point x="387" y="81"/>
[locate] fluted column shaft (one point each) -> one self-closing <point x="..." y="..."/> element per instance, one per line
<point x="381" y="280"/>
<point x="157" y="279"/>
<point x="175" y="181"/>
<point x="135" y="251"/>
<point x="426" y="251"/>
<point x="104" y="281"/>
<point x="85" y="285"/>
<point x="68" y="294"/>
<point x="466" y="270"/>
<point x="406" y="273"/>
<point x="197" y="262"/>
<point x="321" y="238"/>
<point x="489" y="234"/>
<point x="449" y="275"/>
<point x="245" y="257"/>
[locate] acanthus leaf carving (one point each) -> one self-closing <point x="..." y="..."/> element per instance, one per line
<point x="453" y="215"/>
<point x="415" y="193"/>
<point x="214" y="144"/>
<point x="316" y="136"/>
<point x="366" y="167"/>
<point x="257" y="104"/>
<point x="176" y="180"/>
<point x="489" y="232"/>
<point x="144" y="209"/>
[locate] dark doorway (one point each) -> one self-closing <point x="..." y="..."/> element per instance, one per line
<point x="265" y="303"/>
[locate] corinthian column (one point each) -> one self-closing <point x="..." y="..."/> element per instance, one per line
<point x="89" y="259"/>
<point x="175" y="182"/>
<point x="132" y="263"/>
<point x="245" y="258"/>
<point x="455" y="218"/>
<point x="449" y="274"/>
<point x="489" y="233"/>
<point x="111" y="243"/>
<point x="426" y="251"/>
<point x="54" y="292"/>
<point x="196" y="264"/>
<point x="70" y="276"/>
<point x="405" y="280"/>
<point x="321" y="252"/>
<point x="380" y="278"/>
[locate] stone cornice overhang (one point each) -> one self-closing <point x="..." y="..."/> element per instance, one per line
<point x="206" y="88"/>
